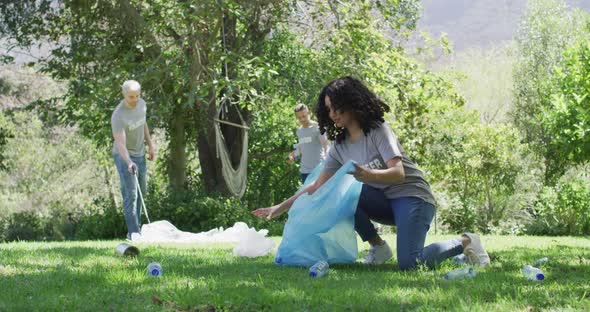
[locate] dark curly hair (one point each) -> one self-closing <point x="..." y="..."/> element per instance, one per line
<point x="349" y="94"/>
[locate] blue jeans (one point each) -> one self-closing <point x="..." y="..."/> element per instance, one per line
<point x="131" y="199"/>
<point x="412" y="216"/>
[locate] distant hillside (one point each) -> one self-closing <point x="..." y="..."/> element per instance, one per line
<point x="477" y="23"/>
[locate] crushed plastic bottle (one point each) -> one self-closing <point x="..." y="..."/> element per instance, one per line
<point x="319" y="269"/>
<point x="154" y="269"/>
<point x="533" y="273"/>
<point x="127" y="250"/>
<point x="541" y="261"/>
<point x="461" y="273"/>
<point x="460" y="259"/>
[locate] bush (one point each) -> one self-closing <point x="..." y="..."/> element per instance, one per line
<point x="193" y="211"/>
<point x="565" y="208"/>
<point x="101" y="221"/>
<point x="25" y="225"/>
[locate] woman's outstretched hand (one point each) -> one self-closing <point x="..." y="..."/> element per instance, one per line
<point x="268" y="213"/>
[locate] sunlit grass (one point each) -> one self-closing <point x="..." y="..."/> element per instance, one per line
<point x="89" y="276"/>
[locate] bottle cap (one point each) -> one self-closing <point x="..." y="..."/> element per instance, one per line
<point x="540" y="276"/>
<point x="313" y="274"/>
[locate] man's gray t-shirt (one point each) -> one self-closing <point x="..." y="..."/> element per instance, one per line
<point x="132" y="121"/>
<point x="311" y="147"/>
<point x="373" y="151"/>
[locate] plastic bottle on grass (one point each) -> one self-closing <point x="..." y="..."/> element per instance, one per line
<point x="154" y="269"/>
<point x="319" y="269"/>
<point x="461" y="273"/>
<point x="460" y="259"/>
<point x="533" y="273"/>
<point x="541" y="261"/>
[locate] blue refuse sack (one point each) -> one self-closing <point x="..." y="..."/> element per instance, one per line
<point x="321" y="225"/>
<point x="314" y="174"/>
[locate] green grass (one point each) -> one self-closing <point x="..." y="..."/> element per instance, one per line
<point x="88" y="276"/>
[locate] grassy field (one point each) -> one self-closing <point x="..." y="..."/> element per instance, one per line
<point x="88" y="276"/>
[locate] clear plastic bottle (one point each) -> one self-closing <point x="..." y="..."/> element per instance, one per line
<point x="319" y="269"/>
<point x="461" y="273"/>
<point x="460" y="259"/>
<point x="154" y="269"/>
<point x="533" y="273"/>
<point x="541" y="261"/>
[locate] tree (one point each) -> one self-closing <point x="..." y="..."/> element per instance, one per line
<point x="187" y="55"/>
<point x="566" y="115"/>
<point x="546" y="30"/>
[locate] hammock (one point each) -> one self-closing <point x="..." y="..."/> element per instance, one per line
<point x="235" y="179"/>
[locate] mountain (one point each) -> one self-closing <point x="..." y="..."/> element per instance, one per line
<point x="477" y="23"/>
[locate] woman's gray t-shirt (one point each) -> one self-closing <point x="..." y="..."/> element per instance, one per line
<point x="373" y="151"/>
<point x="132" y="121"/>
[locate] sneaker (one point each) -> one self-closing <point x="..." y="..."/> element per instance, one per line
<point x="378" y="254"/>
<point x="475" y="252"/>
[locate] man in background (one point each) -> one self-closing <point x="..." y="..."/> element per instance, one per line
<point x="312" y="146"/>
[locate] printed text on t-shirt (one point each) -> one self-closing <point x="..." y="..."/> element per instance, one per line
<point x="136" y="124"/>
<point x="375" y="164"/>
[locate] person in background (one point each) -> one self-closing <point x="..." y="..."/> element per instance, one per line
<point x="131" y="134"/>
<point x="312" y="146"/>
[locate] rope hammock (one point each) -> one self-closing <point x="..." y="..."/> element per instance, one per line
<point x="235" y="179"/>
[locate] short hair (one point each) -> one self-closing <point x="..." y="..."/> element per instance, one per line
<point x="300" y="107"/>
<point x="130" y="85"/>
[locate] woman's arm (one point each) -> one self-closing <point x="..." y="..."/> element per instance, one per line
<point x="394" y="173"/>
<point x="277" y="210"/>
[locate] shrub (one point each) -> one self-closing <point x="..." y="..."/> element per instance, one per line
<point x="24" y="225"/>
<point x="101" y="221"/>
<point x="193" y="211"/>
<point x="564" y="209"/>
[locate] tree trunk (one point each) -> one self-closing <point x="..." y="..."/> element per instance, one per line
<point x="177" y="160"/>
<point x="210" y="164"/>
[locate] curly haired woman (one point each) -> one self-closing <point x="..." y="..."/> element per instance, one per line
<point x="394" y="190"/>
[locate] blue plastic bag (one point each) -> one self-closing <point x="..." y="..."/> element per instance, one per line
<point x="314" y="174"/>
<point x="321" y="225"/>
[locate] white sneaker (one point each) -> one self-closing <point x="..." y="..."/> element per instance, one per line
<point x="378" y="254"/>
<point x="475" y="252"/>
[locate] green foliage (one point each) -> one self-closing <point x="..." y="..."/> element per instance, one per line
<point x="47" y="167"/>
<point x="547" y="29"/>
<point x="26" y="225"/>
<point x="563" y="209"/>
<point x="100" y="221"/>
<point x="567" y="113"/>
<point x="484" y="178"/>
<point x="478" y="166"/>
<point x="196" y="211"/>
<point x="5" y="135"/>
